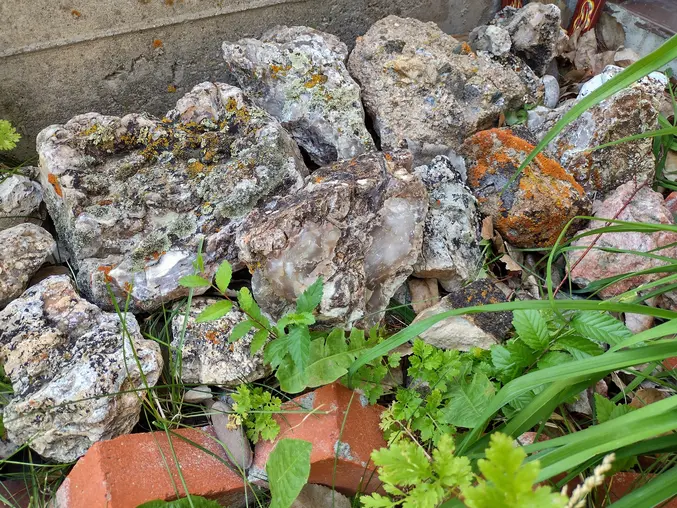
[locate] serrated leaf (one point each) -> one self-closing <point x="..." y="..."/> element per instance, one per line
<point x="251" y="309"/>
<point x="600" y="326"/>
<point x="295" y="318"/>
<point x="531" y="328"/>
<point x="311" y="297"/>
<point x="553" y="358"/>
<point x="223" y="276"/>
<point x="579" y="347"/>
<point x="240" y="330"/>
<point x="288" y="468"/>
<point x="403" y="463"/>
<point x="214" y="311"/>
<point x="510" y="360"/>
<point x="258" y="341"/>
<point x="468" y="400"/>
<point x="606" y="410"/>
<point x="194" y="281"/>
<point x="298" y="344"/>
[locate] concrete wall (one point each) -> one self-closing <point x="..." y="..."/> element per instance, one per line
<point x="59" y="58"/>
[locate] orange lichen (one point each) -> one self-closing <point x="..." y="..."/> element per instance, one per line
<point x="127" y="287"/>
<point x="106" y="270"/>
<point x="315" y="79"/>
<point x="210" y="335"/>
<point x="196" y="168"/>
<point x="52" y="178"/>
<point x="157" y="43"/>
<point x="76" y="14"/>
<point x="278" y="69"/>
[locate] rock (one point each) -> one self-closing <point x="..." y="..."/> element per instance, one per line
<point x="551" y="87"/>
<point x="625" y="57"/>
<point x="582" y="404"/>
<point x="638" y="323"/>
<point x="536" y="207"/>
<point x="472" y="330"/>
<point x="535" y="33"/>
<point x="299" y="76"/>
<point x="646" y="206"/>
<point x="652" y="79"/>
<point x="198" y="395"/>
<point x="610" y="33"/>
<point x="671" y="204"/>
<point x="207" y="357"/>
<point x="73" y="370"/>
<point x="133" y="197"/>
<point x="20" y="200"/>
<point x="490" y="38"/>
<point x="451" y="249"/>
<point x="424" y="293"/>
<point x="425" y="90"/>
<point x="317" y="496"/>
<point x="358" y="224"/>
<point x="670" y="169"/>
<point x="231" y="437"/>
<point x="23" y="250"/>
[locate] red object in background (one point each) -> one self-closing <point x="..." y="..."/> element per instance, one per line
<point x="586" y="15"/>
<point x="512" y="3"/>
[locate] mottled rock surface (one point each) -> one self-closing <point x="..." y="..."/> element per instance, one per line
<point x="133" y="197"/>
<point x="646" y="206"/>
<point x="232" y="438"/>
<point x="20" y="200"/>
<point x="490" y="38"/>
<point x="424" y="293"/>
<point x="425" y="90"/>
<point x="315" y="496"/>
<point x="299" y="76"/>
<point x="23" y="250"/>
<point x="451" y="249"/>
<point x="357" y="223"/>
<point x="536" y="207"/>
<point x="68" y="362"/>
<point x="472" y="330"/>
<point x="207" y="357"/>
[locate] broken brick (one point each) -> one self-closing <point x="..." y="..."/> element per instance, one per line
<point x="136" y="468"/>
<point x="621" y="484"/>
<point x="343" y="429"/>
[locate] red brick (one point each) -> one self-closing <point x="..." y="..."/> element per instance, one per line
<point x="361" y="435"/>
<point x="622" y="484"/>
<point x="16" y="492"/>
<point x="670" y="363"/>
<point x="130" y="470"/>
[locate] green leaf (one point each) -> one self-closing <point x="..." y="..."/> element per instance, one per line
<point x="215" y="311"/>
<point x="223" y="276"/>
<point x="194" y="281"/>
<point x="251" y="309"/>
<point x="579" y="347"/>
<point x="311" y="297"/>
<point x="601" y="327"/>
<point x="9" y="137"/>
<point x="298" y="345"/>
<point x="240" y="330"/>
<point x="468" y="401"/>
<point x="606" y="410"/>
<point x="258" y="341"/>
<point x="197" y="502"/>
<point x="532" y="329"/>
<point x="295" y="318"/>
<point x="403" y="463"/>
<point x="288" y="468"/>
<point x="553" y="358"/>
<point x="510" y="360"/>
<point x="329" y="359"/>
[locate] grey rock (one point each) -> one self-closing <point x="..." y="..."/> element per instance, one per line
<point x="472" y="330"/>
<point x="625" y="57"/>
<point x="299" y="76"/>
<point x="207" y="357"/>
<point x="451" y="249"/>
<point x="424" y="293"/>
<point x="670" y="169"/>
<point x="73" y="370"/>
<point x="23" y="250"/>
<point x="490" y="38"/>
<point x="425" y="90"/>
<point x="610" y="33"/>
<point x="133" y="197"/>
<point x="319" y="496"/>
<point x="20" y="200"/>
<point x="652" y="79"/>
<point x="535" y="31"/>
<point x="357" y="223"/>
<point x="231" y="436"/>
<point x="198" y="395"/>
<point x="551" y="95"/>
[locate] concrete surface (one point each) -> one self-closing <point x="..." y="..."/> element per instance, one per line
<point x="59" y="58"/>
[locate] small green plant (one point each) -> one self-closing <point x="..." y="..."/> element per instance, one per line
<point x="192" y="502"/>
<point x="9" y="137"/>
<point x="253" y="409"/>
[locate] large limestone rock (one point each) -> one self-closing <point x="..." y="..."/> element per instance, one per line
<point x="23" y="250"/>
<point x="299" y="76"/>
<point x="358" y="224"/>
<point x="471" y="330"/>
<point x="536" y="207"/>
<point x="69" y="364"/>
<point x="207" y="356"/>
<point x="647" y="206"/>
<point x="133" y="197"/>
<point x="451" y="249"/>
<point x="20" y="200"/>
<point x="427" y="91"/>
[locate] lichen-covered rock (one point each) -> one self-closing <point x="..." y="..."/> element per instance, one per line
<point x="647" y="206"/>
<point x="23" y="250"/>
<point x="358" y="224"/>
<point x="633" y="110"/>
<point x="20" y="200"/>
<point x="133" y="197"/>
<point x="207" y="357"/>
<point x="425" y="90"/>
<point x="536" y="207"/>
<point x="74" y="370"/>
<point x="451" y="249"/>
<point x="535" y="32"/>
<point x="472" y="330"/>
<point x="299" y="76"/>
<point x="490" y="38"/>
